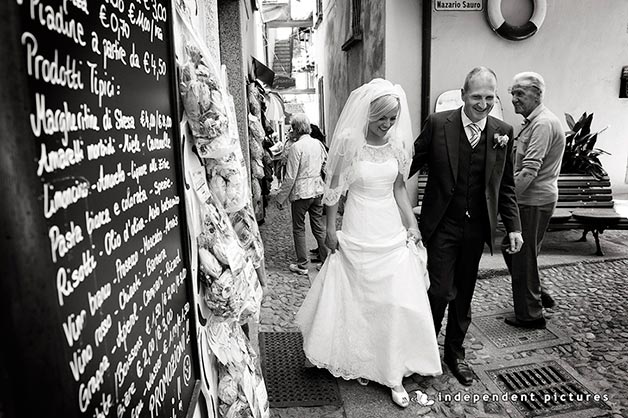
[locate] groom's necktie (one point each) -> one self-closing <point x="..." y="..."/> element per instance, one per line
<point x="475" y="136"/>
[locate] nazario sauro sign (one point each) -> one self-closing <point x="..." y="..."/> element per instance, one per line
<point x="458" y="5"/>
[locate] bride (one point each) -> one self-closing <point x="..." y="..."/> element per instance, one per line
<point x="367" y="315"/>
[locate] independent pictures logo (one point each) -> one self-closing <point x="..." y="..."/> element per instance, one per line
<point x="520" y="397"/>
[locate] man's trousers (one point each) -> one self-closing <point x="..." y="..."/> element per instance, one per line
<point x="314" y="207"/>
<point x="453" y="256"/>
<point x="523" y="267"/>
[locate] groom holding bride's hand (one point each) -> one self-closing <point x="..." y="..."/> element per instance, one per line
<point x="470" y="181"/>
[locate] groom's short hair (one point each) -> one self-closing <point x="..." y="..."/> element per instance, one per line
<point x="475" y="72"/>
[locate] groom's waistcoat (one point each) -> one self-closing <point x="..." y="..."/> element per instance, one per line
<point x="469" y="196"/>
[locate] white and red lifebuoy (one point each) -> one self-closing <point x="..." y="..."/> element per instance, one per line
<point x="512" y="32"/>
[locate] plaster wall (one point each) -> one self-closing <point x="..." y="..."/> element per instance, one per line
<point x="271" y="39"/>
<point x="403" y="52"/>
<point x="346" y="70"/>
<point x="403" y="59"/>
<point x="234" y="53"/>
<point x="580" y="50"/>
<point x="255" y="39"/>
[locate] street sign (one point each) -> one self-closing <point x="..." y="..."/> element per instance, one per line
<point x="464" y="6"/>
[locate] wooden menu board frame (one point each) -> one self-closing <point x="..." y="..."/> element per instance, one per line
<point x="35" y="374"/>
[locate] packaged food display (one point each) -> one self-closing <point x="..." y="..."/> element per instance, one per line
<point x="227" y="176"/>
<point x="245" y="226"/>
<point x="209" y="265"/>
<point x="241" y="386"/>
<point x="202" y="99"/>
<point x="229" y="246"/>
<point x="211" y="117"/>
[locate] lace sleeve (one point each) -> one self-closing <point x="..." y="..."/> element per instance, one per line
<point x="337" y="186"/>
<point x="332" y="196"/>
<point x="403" y="160"/>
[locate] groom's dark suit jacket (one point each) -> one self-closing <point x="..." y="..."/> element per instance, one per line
<point x="438" y="146"/>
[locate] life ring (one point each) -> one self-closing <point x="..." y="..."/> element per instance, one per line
<point x="511" y="32"/>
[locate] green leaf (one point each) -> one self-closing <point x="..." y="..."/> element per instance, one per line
<point x="586" y="125"/>
<point x="578" y="124"/>
<point x="570" y="121"/>
<point x="582" y="140"/>
<point x="581" y="156"/>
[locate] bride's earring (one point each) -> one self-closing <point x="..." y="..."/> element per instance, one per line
<point x="400" y="398"/>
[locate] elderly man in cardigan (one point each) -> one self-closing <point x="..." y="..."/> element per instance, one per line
<point x="538" y="154"/>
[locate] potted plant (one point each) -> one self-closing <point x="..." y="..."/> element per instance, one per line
<point x="580" y="156"/>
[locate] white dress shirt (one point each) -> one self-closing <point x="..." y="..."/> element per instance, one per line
<point x="466" y="122"/>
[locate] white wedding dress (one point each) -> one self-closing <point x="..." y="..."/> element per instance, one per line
<point x="367" y="313"/>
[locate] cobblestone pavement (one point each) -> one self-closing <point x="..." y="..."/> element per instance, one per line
<point x="591" y="311"/>
<point x="286" y="291"/>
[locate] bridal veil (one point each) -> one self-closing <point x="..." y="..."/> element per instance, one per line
<point x="350" y="136"/>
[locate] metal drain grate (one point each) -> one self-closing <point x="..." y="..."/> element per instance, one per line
<point x="288" y="382"/>
<point x="544" y="389"/>
<point x="503" y="335"/>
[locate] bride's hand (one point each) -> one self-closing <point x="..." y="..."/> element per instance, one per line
<point x="331" y="241"/>
<point x="414" y="235"/>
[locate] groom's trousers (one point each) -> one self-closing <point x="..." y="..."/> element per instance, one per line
<point x="454" y="251"/>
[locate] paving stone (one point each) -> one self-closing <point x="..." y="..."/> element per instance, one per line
<point x="471" y="410"/>
<point x="430" y="391"/>
<point x="493" y="408"/>
<point x="441" y="410"/>
<point x="458" y="410"/>
<point x="423" y="410"/>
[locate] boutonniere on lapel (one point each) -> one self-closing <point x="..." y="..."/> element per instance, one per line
<point x="500" y="140"/>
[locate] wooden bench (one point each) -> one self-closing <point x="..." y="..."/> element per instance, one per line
<point x="584" y="203"/>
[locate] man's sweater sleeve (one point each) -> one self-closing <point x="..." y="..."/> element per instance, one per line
<point x="533" y="158"/>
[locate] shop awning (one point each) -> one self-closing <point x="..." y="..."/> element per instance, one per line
<point x="275" y="11"/>
<point x="262" y="72"/>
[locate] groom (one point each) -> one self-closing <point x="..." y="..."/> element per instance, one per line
<point x="470" y="181"/>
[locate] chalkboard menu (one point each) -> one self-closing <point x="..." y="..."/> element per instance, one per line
<point x="105" y="151"/>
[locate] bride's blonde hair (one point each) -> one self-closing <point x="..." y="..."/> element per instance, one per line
<point x="382" y="106"/>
